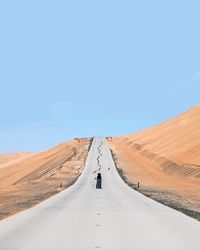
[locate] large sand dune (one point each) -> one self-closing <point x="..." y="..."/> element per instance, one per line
<point x="6" y="159"/>
<point x="31" y="178"/>
<point x="165" y="158"/>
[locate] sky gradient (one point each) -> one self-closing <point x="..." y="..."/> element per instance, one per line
<point x="94" y="68"/>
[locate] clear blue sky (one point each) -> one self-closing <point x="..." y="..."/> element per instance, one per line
<point x="84" y="68"/>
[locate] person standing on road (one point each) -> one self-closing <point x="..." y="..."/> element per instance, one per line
<point x="99" y="179"/>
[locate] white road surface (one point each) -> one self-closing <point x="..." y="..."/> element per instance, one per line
<point x="112" y="218"/>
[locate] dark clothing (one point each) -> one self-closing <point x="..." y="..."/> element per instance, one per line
<point x="99" y="176"/>
<point x="98" y="184"/>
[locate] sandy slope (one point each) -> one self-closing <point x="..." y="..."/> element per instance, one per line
<point x="6" y="159"/>
<point x="27" y="181"/>
<point x="165" y="159"/>
<point x="112" y="218"/>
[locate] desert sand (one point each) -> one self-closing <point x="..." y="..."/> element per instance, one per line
<point x="27" y="179"/>
<point x="6" y="159"/>
<point x="165" y="160"/>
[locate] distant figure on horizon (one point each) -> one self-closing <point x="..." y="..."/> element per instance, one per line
<point x="98" y="184"/>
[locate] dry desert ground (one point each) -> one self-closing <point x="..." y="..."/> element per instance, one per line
<point x="27" y="179"/>
<point x="165" y="161"/>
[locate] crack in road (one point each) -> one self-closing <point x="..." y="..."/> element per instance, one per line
<point x="98" y="158"/>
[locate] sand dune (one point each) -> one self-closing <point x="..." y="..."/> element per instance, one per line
<point x="165" y="157"/>
<point x="35" y="177"/>
<point x="6" y="159"/>
<point x="174" y="144"/>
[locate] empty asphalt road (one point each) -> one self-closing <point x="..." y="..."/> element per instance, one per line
<point x="112" y="218"/>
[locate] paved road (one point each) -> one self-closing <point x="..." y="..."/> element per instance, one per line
<point x="112" y="218"/>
